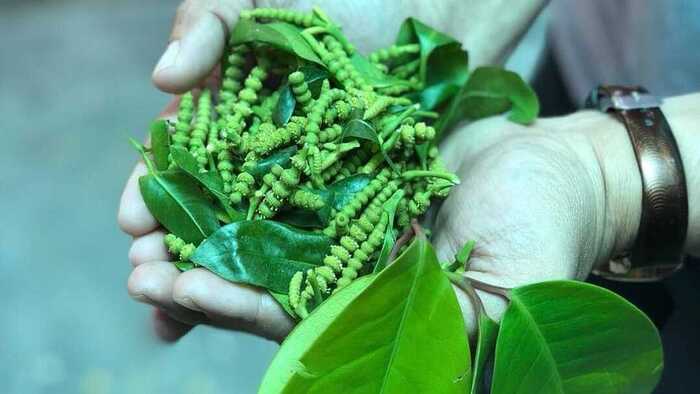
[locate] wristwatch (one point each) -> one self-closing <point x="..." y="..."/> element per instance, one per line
<point x="658" y="249"/>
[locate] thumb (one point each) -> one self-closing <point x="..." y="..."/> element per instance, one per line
<point x="196" y="43"/>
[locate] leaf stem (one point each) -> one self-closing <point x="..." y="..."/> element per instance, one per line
<point x="412" y="174"/>
<point x="489" y="288"/>
<point x="465" y="285"/>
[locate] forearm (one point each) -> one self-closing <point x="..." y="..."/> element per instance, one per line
<point x="622" y="181"/>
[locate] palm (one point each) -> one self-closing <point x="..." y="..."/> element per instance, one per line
<point x="522" y="199"/>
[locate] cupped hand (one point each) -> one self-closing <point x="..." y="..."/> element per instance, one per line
<point x="196" y="44"/>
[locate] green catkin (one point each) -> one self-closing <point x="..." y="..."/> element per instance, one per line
<point x="295" y="289"/>
<point x="184" y="120"/>
<point x="232" y="81"/>
<point x="224" y="165"/>
<point x="289" y="16"/>
<point x="279" y="190"/>
<point x="247" y="97"/>
<point x="394" y="52"/>
<point x="201" y="126"/>
<point x="241" y="133"/>
<point x="330" y="133"/>
<point x="359" y="200"/>
<point x="178" y="247"/>
<point x="305" y="199"/>
<point x="243" y="187"/>
<point x="357" y="246"/>
<point x="269" y="137"/>
<point x="362" y="255"/>
<point x="406" y="70"/>
<point x="301" y="91"/>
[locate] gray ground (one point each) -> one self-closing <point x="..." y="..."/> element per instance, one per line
<point x="74" y="83"/>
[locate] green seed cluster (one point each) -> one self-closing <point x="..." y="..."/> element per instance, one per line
<point x="234" y="129"/>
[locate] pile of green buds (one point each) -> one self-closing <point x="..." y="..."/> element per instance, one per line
<point x="280" y="130"/>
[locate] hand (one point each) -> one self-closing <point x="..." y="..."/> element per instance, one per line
<point x="543" y="202"/>
<point x="197" y="41"/>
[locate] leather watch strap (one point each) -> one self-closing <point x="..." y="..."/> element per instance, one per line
<point x="658" y="249"/>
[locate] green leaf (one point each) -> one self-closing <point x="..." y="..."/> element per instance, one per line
<point x="263" y="166"/>
<point x="572" y="337"/>
<point x="287" y="102"/>
<point x="305" y="334"/>
<point x="160" y="144"/>
<point x="261" y="253"/>
<point x="460" y="263"/>
<point x="358" y="128"/>
<point x="335" y="196"/>
<point x="490" y="91"/>
<point x="280" y="35"/>
<point x="284" y="107"/>
<point x="345" y="189"/>
<point x="389" y="207"/>
<point x="283" y="300"/>
<point x="371" y="74"/>
<point x="485" y="345"/>
<point x="177" y="202"/>
<point x="184" y="265"/>
<point x="443" y="63"/>
<point x="404" y="333"/>
<point x="209" y="179"/>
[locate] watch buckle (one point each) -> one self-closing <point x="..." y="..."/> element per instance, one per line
<point x="631" y="101"/>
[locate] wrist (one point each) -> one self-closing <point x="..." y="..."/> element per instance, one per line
<point x="602" y="144"/>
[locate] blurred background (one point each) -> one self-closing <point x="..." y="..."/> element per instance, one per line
<point x="74" y="84"/>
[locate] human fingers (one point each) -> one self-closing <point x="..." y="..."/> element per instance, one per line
<point x="197" y="41"/>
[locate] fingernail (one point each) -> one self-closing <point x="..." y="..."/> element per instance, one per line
<point x="169" y="56"/>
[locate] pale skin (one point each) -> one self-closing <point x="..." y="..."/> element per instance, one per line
<point x="547" y="201"/>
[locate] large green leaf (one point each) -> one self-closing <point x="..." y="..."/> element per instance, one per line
<point x="261" y="252"/>
<point x="403" y="334"/>
<point x="210" y="180"/>
<point x="280" y="35"/>
<point x="304" y="335"/>
<point x="486" y="342"/>
<point x="177" y="202"/>
<point x="160" y="144"/>
<point x="490" y="91"/>
<point x="443" y="63"/>
<point x="572" y="337"/>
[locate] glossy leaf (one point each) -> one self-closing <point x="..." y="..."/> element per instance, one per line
<point x="184" y="265"/>
<point x="345" y="189"/>
<point x="335" y="196"/>
<point x="403" y="333"/>
<point x="209" y="179"/>
<point x="389" y="207"/>
<point x="263" y="166"/>
<point x="284" y="107"/>
<point x="261" y="253"/>
<point x="283" y="300"/>
<point x="573" y="337"/>
<point x="443" y="63"/>
<point x="283" y="36"/>
<point x="287" y="102"/>
<point x="490" y="91"/>
<point x="360" y="129"/>
<point x="485" y="346"/>
<point x="179" y="205"/>
<point x="371" y="74"/>
<point x="302" y="338"/>
<point x="160" y="144"/>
